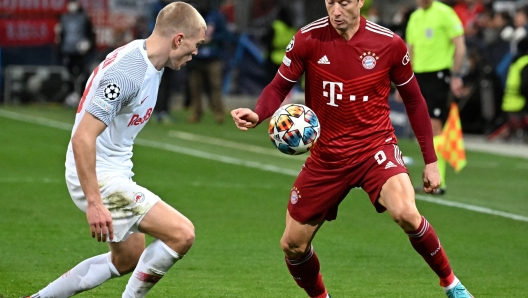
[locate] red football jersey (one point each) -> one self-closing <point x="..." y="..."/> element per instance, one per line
<point x="348" y="85"/>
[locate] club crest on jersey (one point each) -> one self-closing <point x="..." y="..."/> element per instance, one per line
<point x="294" y="195"/>
<point x="112" y="91"/>
<point x="290" y="45"/>
<point x="369" y="60"/>
<point x="139" y="197"/>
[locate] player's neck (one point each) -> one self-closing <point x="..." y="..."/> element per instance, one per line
<point x="349" y="32"/>
<point x="156" y="52"/>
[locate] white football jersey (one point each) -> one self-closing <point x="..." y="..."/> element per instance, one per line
<point x="121" y="92"/>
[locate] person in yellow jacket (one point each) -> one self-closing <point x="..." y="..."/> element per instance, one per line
<point x="277" y="39"/>
<point x="516" y="91"/>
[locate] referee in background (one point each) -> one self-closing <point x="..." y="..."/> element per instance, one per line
<point x="435" y="38"/>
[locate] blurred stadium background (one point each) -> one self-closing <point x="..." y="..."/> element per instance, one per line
<point x="232" y="184"/>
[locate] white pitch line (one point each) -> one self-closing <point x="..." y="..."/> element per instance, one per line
<point x="29" y="180"/>
<point x="250" y="164"/>
<point x="471" y="207"/>
<point x="228" y="144"/>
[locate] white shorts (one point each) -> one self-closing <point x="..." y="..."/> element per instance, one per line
<point x="127" y="202"/>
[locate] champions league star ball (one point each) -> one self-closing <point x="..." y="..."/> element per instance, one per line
<point x="294" y="128"/>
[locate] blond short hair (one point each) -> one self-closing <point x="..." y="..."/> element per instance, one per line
<point x="179" y="17"/>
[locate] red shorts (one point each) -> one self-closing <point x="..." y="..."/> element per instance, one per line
<point x="318" y="190"/>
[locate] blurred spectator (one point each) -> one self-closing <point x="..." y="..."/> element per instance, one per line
<point x="277" y="37"/>
<point x="514" y="101"/>
<point x="75" y="38"/>
<point x="468" y="11"/>
<point x="205" y="71"/>
<point x="141" y="28"/>
<point x="518" y="31"/>
<point x="400" y="20"/>
<point x="162" y="110"/>
<point x="228" y="10"/>
<point x="497" y="49"/>
<point x="374" y="15"/>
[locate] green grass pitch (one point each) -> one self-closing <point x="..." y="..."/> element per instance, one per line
<point x="234" y="187"/>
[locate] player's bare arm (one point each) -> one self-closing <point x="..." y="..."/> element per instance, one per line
<point x="431" y="178"/>
<point x="244" y="118"/>
<point x="83" y="143"/>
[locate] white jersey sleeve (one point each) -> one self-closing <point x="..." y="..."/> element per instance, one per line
<point x="117" y="88"/>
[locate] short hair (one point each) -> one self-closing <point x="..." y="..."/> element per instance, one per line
<point x="179" y="17"/>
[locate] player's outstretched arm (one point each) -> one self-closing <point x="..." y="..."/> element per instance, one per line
<point x="431" y="177"/>
<point x="83" y="143"/>
<point x="244" y="118"/>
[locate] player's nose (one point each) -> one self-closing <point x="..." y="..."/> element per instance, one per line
<point x="336" y="11"/>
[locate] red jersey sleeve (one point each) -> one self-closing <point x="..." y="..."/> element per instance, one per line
<point x="401" y="70"/>
<point x="289" y="72"/>
<point x="403" y="77"/>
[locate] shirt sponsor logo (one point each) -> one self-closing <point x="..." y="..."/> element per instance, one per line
<point x="137" y="120"/>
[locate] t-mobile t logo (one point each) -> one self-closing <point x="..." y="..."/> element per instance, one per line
<point x="332" y="94"/>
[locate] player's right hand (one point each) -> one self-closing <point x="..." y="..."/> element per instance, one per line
<point x="244" y="118"/>
<point x="100" y="221"/>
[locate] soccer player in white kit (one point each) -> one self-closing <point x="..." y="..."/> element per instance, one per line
<point x="118" y="101"/>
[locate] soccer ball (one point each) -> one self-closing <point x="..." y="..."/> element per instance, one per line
<point x="294" y="128"/>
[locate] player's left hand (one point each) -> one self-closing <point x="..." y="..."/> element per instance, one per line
<point x="431" y="178"/>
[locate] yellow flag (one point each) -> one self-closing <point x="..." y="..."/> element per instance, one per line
<point x="453" y="150"/>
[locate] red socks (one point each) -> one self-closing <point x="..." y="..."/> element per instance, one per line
<point x="305" y="272"/>
<point x="426" y="243"/>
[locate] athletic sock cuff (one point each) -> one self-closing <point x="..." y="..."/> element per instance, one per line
<point x="111" y="265"/>
<point x="169" y="250"/>
<point x="452" y="285"/>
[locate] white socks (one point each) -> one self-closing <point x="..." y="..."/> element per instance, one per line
<point x="86" y="275"/>
<point x="154" y="262"/>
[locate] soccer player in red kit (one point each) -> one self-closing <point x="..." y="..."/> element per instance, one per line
<point x="349" y="64"/>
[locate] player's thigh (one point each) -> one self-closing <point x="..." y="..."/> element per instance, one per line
<point x="317" y="192"/>
<point x="170" y="226"/>
<point x="397" y="194"/>
<point x="127" y="201"/>
<point x="386" y="162"/>
<point x="126" y="254"/>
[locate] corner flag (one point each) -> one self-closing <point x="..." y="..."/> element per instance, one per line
<point x="453" y="150"/>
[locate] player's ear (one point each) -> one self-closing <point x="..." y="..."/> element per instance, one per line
<point x="361" y="3"/>
<point x="178" y="39"/>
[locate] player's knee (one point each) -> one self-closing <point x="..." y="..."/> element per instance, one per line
<point x="182" y="237"/>
<point x="126" y="263"/>
<point x="408" y="219"/>
<point x="293" y="250"/>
